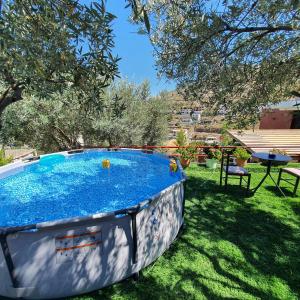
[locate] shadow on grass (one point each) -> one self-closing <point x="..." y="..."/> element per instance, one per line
<point x="295" y="206"/>
<point x="271" y="246"/>
<point x="273" y="189"/>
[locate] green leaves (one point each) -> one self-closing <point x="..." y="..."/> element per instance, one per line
<point x="181" y="138"/>
<point x="235" y="57"/>
<point x="139" y="12"/>
<point x="125" y="114"/>
<point x="52" y="42"/>
<point x="130" y="116"/>
<point x="146" y="19"/>
<point x="4" y="160"/>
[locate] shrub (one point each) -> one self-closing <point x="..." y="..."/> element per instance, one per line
<point x="181" y="139"/>
<point x="4" y="160"/>
<point x="226" y="139"/>
<point x="278" y="151"/>
<point x="187" y="153"/>
<point x="213" y="153"/>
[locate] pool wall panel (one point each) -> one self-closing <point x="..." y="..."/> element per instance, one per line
<point x="39" y="264"/>
<point x="158" y="225"/>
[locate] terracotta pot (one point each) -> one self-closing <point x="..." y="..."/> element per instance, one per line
<point x="241" y="162"/>
<point x="185" y="162"/>
<point x="201" y="159"/>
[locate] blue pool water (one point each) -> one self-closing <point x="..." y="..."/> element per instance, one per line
<point x="59" y="187"/>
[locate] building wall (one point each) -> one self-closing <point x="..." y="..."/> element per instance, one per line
<point x="276" y="119"/>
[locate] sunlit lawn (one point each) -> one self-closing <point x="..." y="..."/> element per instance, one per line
<point x="233" y="246"/>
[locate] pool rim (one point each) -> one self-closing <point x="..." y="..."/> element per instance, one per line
<point x="6" y="230"/>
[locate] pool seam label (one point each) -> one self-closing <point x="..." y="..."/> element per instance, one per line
<point x="77" y="246"/>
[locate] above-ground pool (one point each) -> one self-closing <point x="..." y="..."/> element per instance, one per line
<point x="68" y="225"/>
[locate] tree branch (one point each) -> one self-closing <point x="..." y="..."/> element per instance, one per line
<point x="257" y="38"/>
<point x="260" y="28"/>
<point x="4" y="95"/>
<point x="16" y="95"/>
<point x="63" y="135"/>
<point x="295" y="93"/>
<point x="248" y="12"/>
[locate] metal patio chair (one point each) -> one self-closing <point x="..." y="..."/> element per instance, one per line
<point x="291" y="171"/>
<point x="230" y="169"/>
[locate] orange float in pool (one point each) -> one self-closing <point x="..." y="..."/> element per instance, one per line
<point x="106" y="164"/>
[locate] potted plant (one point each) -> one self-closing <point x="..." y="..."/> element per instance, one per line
<point x="241" y="155"/>
<point x="201" y="156"/>
<point x="186" y="151"/>
<point x="186" y="155"/>
<point x="213" y="157"/>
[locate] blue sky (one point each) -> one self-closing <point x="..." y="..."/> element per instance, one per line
<point x="137" y="61"/>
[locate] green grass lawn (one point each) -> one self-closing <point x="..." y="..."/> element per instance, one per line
<point x="233" y="246"/>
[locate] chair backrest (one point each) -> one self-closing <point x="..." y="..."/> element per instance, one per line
<point x="226" y="154"/>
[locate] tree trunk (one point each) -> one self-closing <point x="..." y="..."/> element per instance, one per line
<point x="109" y="141"/>
<point x="11" y="95"/>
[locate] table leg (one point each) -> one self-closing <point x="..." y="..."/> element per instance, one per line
<point x="277" y="185"/>
<point x="268" y="173"/>
<point x="260" y="183"/>
<point x="264" y="178"/>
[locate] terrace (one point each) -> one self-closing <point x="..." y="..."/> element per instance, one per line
<point x="233" y="246"/>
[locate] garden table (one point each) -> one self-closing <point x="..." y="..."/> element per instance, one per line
<point x="270" y="159"/>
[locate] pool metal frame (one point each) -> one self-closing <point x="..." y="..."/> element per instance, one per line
<point x="5" y="231"/>
<point x="132" y="212"/>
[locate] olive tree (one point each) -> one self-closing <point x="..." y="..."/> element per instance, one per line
<point x="131" y="116"/>
<point x="55" y="124"/>
<point x="48" y="46"/>
<point x="127" y="115"/>
<point x="234" y="56"/>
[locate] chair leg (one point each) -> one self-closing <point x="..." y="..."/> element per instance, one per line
<point x="296" y="186"/>
<point x="241" y="178"/>
<point x="221" y="171"/>
<point x="221" y="176"/>
<point x="279" y="177"/>
<point x="248" y="183"/>
<point x="226" y="180"/>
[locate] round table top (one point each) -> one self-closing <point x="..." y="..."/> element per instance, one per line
<point x="266" y="156"/>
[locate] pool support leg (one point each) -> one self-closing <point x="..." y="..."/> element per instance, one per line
<point x="183" y="200"/>
<point x="8" y="260"/>
<point x="4" y="233"/>
<point x="136" y="276"/>
<point x="133" y="214"/>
